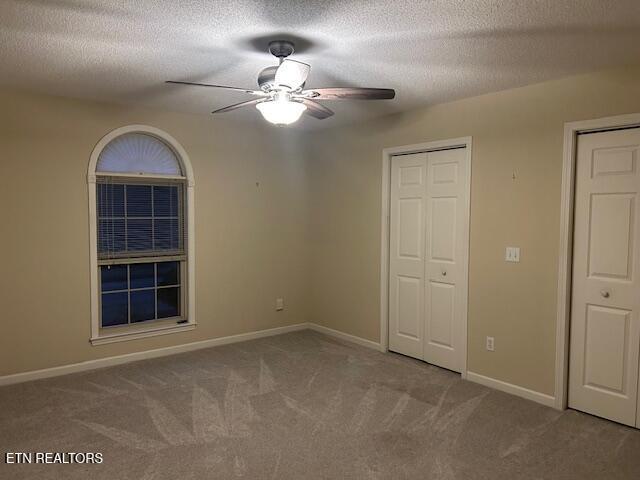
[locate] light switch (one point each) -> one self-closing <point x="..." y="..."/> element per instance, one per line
<point x="512" y="254"/>
<point x="279" y="304"/>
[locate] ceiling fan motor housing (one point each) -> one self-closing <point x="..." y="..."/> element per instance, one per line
<point x="281" y="48"/>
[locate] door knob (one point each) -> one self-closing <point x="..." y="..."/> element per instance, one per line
<point x="604" y="293"/>
<point x="444" y="273"/>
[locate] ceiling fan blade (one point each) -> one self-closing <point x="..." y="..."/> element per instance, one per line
<point x="350" y="93"/>
<point x="316" y="110"/>
<point x="237" y="89"/>
<point x="235" y="106"/>
<point x="292" y="74"/>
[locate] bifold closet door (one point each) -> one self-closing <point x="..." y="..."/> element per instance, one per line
<point x="605" y="326"/>
<point x="445" y="247"/>
<point x="406" y="254"/>
<point x="426" y="256"/>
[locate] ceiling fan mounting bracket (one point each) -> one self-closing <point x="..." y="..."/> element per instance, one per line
<point x="281" y="48"/>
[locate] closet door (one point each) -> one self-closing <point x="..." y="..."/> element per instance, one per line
<point x="406" y="254"/>
<point x="427" y="256"/>
<point x="605" y="326"/>
<point x="446" y="243"/>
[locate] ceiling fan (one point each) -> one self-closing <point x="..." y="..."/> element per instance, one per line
<point x="282" y="98"/>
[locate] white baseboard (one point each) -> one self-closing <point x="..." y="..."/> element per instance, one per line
<point x="187" y="347"/>
<point x="132" y="357"/>
<point x="344" y="336"/>
<point x="516" y="390"/>
<point x="542" y="398"/>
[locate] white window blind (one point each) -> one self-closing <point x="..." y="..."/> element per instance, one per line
<point x="138" y="153"/>
<point x="139" y="219"/>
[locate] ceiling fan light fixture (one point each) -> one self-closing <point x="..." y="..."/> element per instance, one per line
<point x="282" y="98"/>
<point x="281" y="111"/>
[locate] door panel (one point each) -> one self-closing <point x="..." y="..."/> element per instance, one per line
<point x="607" y="330"/>
<point x="442" y="229"/>
<point x="613" y="161"/>
<point x="410" y="228"/>
<point x="611" y="235"/>
<point x="406" y="254"/>
<point x="441" y="312"/>
<point x="444" y="172"/>
<point x="444" y="267"/>
<point x="409" y="307"/>
<point x="605" y="326"/>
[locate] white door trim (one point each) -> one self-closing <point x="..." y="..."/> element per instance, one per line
<point x="565" y="260"/>
<point x="387" y="153"/>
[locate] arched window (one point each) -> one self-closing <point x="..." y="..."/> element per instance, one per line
<point x="141" y="231"/>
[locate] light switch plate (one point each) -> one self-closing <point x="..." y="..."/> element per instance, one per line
<point x="279" y="304"/>
<point x="512" y="254"/>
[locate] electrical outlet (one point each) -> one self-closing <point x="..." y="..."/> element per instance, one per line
<point x="490" y="344"/>
<point x="279" y="304"/>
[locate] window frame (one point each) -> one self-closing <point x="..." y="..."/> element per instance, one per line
<point x="110" y="334"/>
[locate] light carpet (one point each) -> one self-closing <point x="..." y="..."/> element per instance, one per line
<point x="301" y="406"/>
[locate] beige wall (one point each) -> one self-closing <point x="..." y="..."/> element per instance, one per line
<point x="309" y="232"/>
<point x="517" y="131"/>
<point x="250" y="240"/>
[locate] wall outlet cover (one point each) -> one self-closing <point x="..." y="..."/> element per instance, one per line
<point x="279" y="304"/>
<point x="490" y="344"/>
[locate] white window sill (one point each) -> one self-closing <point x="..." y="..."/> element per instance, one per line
<point x="148" y="332"/>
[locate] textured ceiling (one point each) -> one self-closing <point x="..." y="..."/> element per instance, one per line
<point x="429" y="51"/>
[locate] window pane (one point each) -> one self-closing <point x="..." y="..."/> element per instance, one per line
<point x="165" y="201"/>
<point x="110" y="200"/>
<point x="113" y="277"/>
<point x="166" y="234"/>
<point x="139" y="236"/>
<point x="143" y="305"/>
<point x="168" y="302"/>
<point x="114" y="308"/>
<point x="138" y="200"/>
<point x="168" y="273"/>
<point x="142" y="275"/>
<point x="111" y="236"/>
